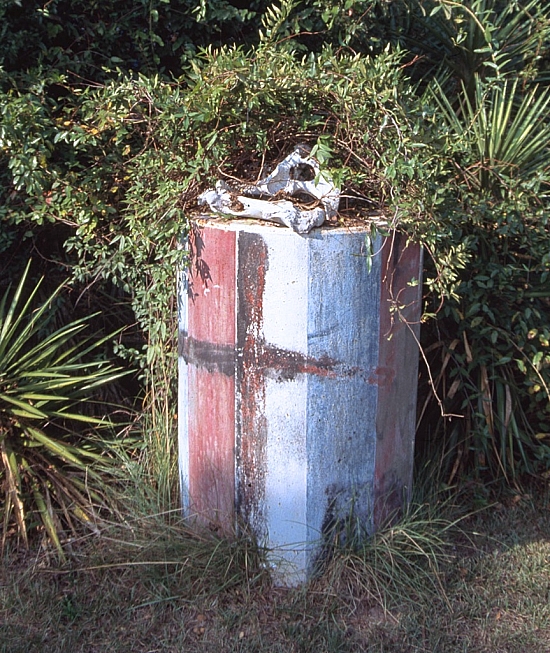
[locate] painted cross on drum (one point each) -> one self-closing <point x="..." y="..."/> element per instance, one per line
<point x="297" y="384"/>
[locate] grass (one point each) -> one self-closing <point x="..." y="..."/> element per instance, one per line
<point x="426" y="584"/>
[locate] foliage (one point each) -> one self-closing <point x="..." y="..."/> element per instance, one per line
<point x="459" y="40"/>
<point x="429" y="115"/>
<point x="83" y="41"/>
<point x="492" y="359"/>
<point x="489" y="350"/>
<point x="503" y="132"/>
<point x="118" y="164"/>
<point x="53" y="464"/>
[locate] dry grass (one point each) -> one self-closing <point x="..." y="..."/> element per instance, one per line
<point x="151" y="587"/>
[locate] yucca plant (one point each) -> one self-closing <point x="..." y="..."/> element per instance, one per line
<point x="54" y="466"/>
<point x="464" y="39"/>
<point x="504" y="134"/>
<point x="495" y="137"/>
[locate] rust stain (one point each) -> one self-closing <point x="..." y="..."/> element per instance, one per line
<point x="290" y="363"/>
<point x="281" y="364"/>
<point x="382" y="377"/>
<point x="251" y="420"/>
<point x="207" y="355"/>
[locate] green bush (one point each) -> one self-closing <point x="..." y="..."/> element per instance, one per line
<point x="492" y="359"/>
<point x="83" y="41"/>
<point x="428" y="116"/>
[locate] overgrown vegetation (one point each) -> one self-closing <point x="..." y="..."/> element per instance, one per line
<point x="432" y="116"/>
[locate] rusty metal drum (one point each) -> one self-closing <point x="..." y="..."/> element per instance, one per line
<point x="298" y="365"/>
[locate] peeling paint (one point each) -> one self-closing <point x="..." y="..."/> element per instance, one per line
<point x="298" y="385"/>
<point x="251" y="421"/>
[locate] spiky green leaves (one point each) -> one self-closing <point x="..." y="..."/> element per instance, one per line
<point x="501" y="134"/>
<point x="53" y="461"/>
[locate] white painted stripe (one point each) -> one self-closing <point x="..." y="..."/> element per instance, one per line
<point x="183" y="395"/>
<point x="285" y="327"/>
<point x="286" y="287"/>
<point x="286" y="473"/>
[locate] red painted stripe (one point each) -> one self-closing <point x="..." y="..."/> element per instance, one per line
<point x="212" y="387"/>
<point x="211" y="448"/>
<point x="212" y="285"/>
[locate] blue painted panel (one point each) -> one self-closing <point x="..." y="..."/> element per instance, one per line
<point x="343" y="324"/>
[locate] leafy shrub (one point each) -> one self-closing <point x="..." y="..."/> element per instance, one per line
<point x="492" y="358"/>
<point x="83" y="41"/>
<point x="118" y="165"/>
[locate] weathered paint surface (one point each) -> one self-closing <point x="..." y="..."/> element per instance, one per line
<point x="208" y="349"/>
<point x="342" y="322"/>
<point x="289" y="384"/>
<point x="398" y="352"/>
<point x="252" y="429"/>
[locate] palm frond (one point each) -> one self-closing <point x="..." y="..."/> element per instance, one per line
<point x="504" y="133"/>
<point x="49" y="468"/>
